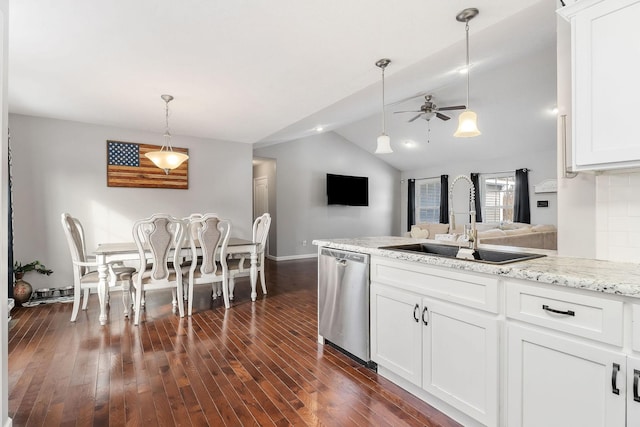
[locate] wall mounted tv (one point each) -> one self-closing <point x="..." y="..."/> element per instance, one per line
<point x="347" y="190"/>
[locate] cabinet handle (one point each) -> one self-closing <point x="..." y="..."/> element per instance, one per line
<point x="416" y="310"/>
<point x="553" y="310"/>
<point x="614" y="379"/>
<point x="425" y="311"/>
<point x="636" y="376"/>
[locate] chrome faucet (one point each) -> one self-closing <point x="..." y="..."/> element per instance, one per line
<point x="471" y="234"/>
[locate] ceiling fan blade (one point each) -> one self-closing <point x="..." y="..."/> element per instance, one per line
<point x="442" y="116"/>
<point x="414" y="118"/>
<point x="408" y="111"/>
<point x="453" y="107"/>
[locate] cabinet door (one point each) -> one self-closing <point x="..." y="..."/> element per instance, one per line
<point x="606" y="61"/>
<point x="633" y="391"/>
<point x="557" y="381"/>
<point x="460" y="358"/>
<point x="396" y="341"/>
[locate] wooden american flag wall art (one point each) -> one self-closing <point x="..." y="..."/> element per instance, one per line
<point x="127" y="166"/>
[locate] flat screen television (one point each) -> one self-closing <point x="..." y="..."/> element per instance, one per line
<point x="347" y="190"/>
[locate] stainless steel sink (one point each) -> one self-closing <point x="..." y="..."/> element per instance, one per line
<point x="488" y="256"/>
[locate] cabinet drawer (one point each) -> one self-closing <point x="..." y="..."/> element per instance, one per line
<point x="587" y="316"/>
<point x="469" y="289"/>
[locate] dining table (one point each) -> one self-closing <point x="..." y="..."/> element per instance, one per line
<point x="107" y="253"/>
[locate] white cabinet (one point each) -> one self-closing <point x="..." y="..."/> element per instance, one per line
<point x="557" y="381"/>
<point x="396" y="332"/>
<point x="448" y="350"/>
<point x="605" y="50"/>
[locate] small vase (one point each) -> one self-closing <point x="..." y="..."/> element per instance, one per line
<point x="21" y="290"/>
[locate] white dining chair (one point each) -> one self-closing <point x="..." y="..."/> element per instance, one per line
<point x="208" y="237"/>
<point x="240" y="266"/>
<point x="160" y="239"/>
<point x="84" y="278"/>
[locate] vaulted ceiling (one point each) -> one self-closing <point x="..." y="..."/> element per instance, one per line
<point x="254" y="71"/>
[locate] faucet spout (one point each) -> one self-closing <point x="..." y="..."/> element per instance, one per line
<point x="472" y="233"/>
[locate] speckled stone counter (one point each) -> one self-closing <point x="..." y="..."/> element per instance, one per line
<point x="600" y="276"/>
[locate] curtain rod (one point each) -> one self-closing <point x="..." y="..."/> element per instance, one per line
<point x="487" y="173"/>
<point x="429" y="177"/>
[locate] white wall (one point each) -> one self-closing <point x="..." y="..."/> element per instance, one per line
<point x="303" y="213"/>
<point x="541" y="163"/>
<point x="4" y="271"/>
<point x="60" y="166"/>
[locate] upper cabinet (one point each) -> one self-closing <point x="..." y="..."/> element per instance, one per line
<point x="605" y="51"/>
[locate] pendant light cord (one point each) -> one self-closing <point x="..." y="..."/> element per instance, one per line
<point x="384" y="129"/>
<point x="468" y="66"/>
<point x="167" y="133"/>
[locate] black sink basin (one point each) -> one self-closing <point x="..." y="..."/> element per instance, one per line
<point x="480" y="255"/>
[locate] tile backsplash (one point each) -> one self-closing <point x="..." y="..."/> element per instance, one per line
<point x="618" y="216"/>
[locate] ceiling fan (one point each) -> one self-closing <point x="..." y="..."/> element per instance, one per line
<point x="428" y="110"/>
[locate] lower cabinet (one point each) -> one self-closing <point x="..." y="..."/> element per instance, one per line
<point x="557" y="381"/>
<point x="446" y="349"/>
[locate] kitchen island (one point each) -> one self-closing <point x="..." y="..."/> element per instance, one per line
<point x="546" y="341"/>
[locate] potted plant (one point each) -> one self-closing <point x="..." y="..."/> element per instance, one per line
<point x="22" y="290"/>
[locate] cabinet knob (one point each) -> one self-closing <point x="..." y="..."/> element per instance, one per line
<point x="636" y="377"/>
<point x="416" y="310"/>
<point x="425" y="312"/>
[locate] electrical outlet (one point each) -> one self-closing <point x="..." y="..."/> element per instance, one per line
<point x="304" y="243"/>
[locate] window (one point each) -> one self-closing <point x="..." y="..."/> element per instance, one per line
<point x="427" y="200"/>
<point x="497" y="195"/>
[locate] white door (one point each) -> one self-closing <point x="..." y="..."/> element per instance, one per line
<point x="557" y="381"/>
<point x="396" y="340"/>
<point x="260" y="196"/>
<point x="460" y="358"/>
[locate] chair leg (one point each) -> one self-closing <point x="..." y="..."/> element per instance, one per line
<point x="138" y="306"/>
<point x="180" y="299"/>
<point x="85" y="299"/>
<point x="126" y="300"/>
<point x="76" y="304"/>
<point x="232" y="285"/>
<point x="190" y="299"/>
<point x="225" y="290"/>
<point x="262" y="280"/>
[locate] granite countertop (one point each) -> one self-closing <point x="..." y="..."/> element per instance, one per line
<point x="601" y="276"/>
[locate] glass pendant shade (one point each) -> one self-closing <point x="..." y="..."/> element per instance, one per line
<point x="467" y="125"/>
<point x="384" y="144"/>
<point x="165" y="158"/>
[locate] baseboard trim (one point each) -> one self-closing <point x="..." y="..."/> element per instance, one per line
<point x="292" y="257"/>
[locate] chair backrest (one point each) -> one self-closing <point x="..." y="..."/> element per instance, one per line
<point x="261" y="230"/>
<point x="212" y="234"/>
<point x="160" y="234"/>
<point x="75" y="239"/>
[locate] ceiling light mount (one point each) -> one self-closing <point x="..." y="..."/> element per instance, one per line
<point x="383" y="142"/>
<point x="165" y="158"/>
<point x="468" y="120"/>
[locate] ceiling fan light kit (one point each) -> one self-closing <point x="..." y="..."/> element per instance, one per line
<point x="383" y="142"/>
<point x="166" y="158"/>
<point x="468" y="120"/>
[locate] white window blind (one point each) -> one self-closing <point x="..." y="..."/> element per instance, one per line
<point x="427" y="200"/>
<point x="497" y="192"/>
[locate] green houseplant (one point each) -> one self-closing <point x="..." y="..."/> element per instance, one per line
<point x="22" y="290"/>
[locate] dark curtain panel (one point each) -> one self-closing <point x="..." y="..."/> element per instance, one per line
<point x="521" y="210"/>
<point x="444" y="199"/>
<point x="411" y="206"/>
<point x="475" y="178"/>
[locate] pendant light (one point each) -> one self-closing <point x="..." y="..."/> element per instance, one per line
<point x="166" y="158"/>
<point x="384" y="142"/>
<point x="468" y="120"/>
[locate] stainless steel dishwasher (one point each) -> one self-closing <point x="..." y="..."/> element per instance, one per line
<point x="343" y="301"/>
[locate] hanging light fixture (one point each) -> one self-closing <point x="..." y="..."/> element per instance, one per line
<point x="384" y="142"/>
<point x="468" y="120"/>
<point x="166" y="158"/>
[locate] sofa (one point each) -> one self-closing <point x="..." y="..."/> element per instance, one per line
<point x="540" y="236"/>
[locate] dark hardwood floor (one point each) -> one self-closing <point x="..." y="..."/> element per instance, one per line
<point x="255" y="364"/>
